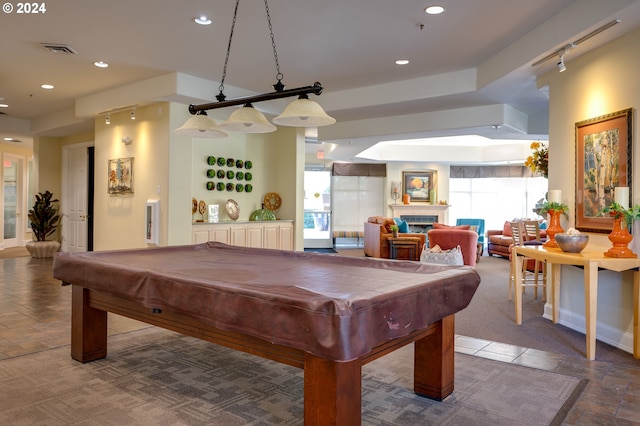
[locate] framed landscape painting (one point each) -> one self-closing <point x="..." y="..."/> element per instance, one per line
<point x="603" y="162"/>
<point x="121" y="176"/>
<point x="419" y="185"/>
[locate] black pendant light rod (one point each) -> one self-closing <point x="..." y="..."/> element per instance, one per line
<point x="316" y="89"/>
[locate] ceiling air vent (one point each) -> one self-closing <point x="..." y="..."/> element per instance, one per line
<point x="59" y="48"/>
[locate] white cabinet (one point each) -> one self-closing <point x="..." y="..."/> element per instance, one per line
<point x="270" y="234"/>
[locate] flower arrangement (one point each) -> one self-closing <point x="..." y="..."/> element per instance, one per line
<point x="538" y="161"/>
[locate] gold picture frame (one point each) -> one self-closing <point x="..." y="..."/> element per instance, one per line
<point x="420" y="185"/>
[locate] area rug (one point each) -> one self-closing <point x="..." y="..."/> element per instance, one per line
<point x="158" y="377"/>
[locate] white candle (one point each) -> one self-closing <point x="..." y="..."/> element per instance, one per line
<point x="622" y="196"/>
<point x="555" y="196"/>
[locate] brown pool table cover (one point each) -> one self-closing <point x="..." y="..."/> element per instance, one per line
<point x="331" y="306"/>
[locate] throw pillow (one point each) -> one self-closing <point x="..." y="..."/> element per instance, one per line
<point x="403" y="226"/>
<point x="443" y="226"/>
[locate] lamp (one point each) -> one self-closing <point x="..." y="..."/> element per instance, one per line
<point x="300" y="113"/>
<point x="201" y="126"/>
<point x="561" y="66"/>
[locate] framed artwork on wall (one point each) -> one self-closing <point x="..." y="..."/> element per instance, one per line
<point x="603" y="161"/>
<point x="420" y="185"/>
<point x="120" y="175"/>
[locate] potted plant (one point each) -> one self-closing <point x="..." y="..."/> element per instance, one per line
<point x="394" y="230"/>
<point x="44" y="219"/>
<point x="630" y="217"/>
<point x="548" y="206"/>
<point x="554" y="209"/>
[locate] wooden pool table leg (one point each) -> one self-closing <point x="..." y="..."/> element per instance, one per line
<point x="433" y="368"/>
<point x="88" y="328"/>
<point x="332" y="391"/>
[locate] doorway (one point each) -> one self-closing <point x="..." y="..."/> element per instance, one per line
<point x="317" y="209"/>
<point x="77" y="198"/>
<point x="12" y="201"/>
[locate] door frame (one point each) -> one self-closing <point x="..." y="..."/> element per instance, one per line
<point x="21" y="202"/>
<point x="89" y="147"/>
<point x="322" y="242"/>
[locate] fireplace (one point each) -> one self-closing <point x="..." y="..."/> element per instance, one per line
<point x="419" y="223"/>
<point x="421" y="215"/>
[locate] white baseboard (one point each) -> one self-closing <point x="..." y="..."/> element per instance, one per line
<point x="605" y="333"/>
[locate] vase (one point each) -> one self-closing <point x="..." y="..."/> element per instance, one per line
<point x="620" y="238"/>
<point x="553" y="229"/>
<point x="42" y="249"/>
<point x="395" y="234"/>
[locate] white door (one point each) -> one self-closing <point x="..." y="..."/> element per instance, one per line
<point x="13" y="218"/>
<point x="74" y="203"/>
<point x="317" y="209"/>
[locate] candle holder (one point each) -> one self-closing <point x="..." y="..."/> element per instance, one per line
<point x="553" y="229"/>
<point x="395" y="196"/>
<point x="620" y="238"/>
<point x="554" y="209"/>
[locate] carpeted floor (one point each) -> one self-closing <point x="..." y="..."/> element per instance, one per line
<point x="158" y="377"/>
<point x="491" y="314"/>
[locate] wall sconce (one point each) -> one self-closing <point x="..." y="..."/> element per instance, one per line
<point x="107" y="119"/>
<point x="133" y="114"/>
<point x="127" y="140"/>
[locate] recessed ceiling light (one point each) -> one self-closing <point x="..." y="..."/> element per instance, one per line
<point x="434" y="10"/>
<point x="202" y="20"/>
<point x="47" y="86"/>
<point x="101" y="64"/>
<point x="402" y="62"/>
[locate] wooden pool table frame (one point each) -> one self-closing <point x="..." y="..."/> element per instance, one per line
<point x="332" y="389"/>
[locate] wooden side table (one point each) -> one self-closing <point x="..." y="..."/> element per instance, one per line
<point x="410" y="244"/>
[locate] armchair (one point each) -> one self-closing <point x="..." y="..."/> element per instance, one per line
<point x="478" y="226"/>
<point x="448" y="238"/>
<point x="377" y="234"/>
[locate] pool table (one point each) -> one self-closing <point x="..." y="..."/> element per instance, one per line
<point x="325" y="313"/>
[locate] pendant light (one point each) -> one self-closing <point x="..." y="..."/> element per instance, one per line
<point x="248" y="120"/>
<point x="201" y="126"/>
<point x="304" y="112"/>
<point x="300" y="113"/>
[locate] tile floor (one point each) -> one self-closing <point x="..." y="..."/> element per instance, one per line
<point x="35" y="312"/>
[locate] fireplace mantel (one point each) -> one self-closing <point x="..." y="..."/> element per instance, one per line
<point x="420" y="209"/>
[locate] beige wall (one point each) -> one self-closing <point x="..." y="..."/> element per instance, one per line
<point x="599" y="82"/>
<point x="120" y="219"/>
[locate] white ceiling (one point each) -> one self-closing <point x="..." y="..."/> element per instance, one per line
<point x="470" y="68"/>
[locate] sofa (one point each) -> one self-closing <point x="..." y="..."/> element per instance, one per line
<point x="376" y="238"/>
<point x="499" y="241"/>
<point x="448" y="237"/>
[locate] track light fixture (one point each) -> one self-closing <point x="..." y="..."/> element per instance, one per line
<point x="563" y="50"/>
<point x="302" y="112"/>
<point x="561" y="66"/>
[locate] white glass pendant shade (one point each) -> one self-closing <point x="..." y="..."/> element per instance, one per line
<point x="248" y="120"/>
<point x="303" y="112"/>
<point x="201" y="126"/>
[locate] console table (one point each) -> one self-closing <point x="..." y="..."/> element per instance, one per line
<point x="591" y="261"/>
